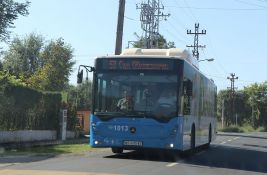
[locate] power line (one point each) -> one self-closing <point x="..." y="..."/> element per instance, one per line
<point x="174" y="35"/>
<point x="130" y="18"/>
<point x="178" y="32"/>
<point x="219" y="8"/>
<point x="251" y="4"/>
<point x="190" y="11"/>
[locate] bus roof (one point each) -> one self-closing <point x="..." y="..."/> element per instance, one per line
<point x="173" y="52"/>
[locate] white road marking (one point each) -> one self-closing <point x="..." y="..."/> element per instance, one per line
<point x="229" y="140"/>
<point x="235" y="138"/>
<point x="172" y="164"/>
<point x="223" y="143"/>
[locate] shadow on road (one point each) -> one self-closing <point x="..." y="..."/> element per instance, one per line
<point x="231" y="158"/>
<point x="148" y="155"/>
<point x="24" y="158"/>
<point x="215" y="157"/>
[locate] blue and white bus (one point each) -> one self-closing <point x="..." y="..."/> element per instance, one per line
<point x="151" y="98"/>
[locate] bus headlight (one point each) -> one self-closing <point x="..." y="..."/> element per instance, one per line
<point x="96" y="142"/>
<point x="171" y="145"/>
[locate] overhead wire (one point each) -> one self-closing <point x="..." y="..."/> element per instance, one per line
<point x="219" y="8"/>
<point x="251" y="4"/>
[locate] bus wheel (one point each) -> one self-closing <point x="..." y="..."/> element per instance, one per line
<point x="193" y="138"/>
<point x="117" y="150"/>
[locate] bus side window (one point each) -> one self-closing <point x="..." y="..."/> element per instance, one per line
<point x="187" y="93"/>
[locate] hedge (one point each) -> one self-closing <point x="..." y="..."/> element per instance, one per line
<point x="22" y="108"/>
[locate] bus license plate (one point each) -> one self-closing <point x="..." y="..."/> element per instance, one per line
<point x="132" y="143"/>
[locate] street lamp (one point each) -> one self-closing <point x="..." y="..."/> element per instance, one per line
<point x="211" y="59"/>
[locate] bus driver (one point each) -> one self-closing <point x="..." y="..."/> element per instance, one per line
<point x="125" y="103"/>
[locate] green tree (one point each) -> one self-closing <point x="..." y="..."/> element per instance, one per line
<point x="23" y="56"/>
<point x="257" y="100"/>
<point x="234" y="104"/>
<point x="9" y="11"/>
<point x="162" y="42"/>
<point x="1" y="66"/>
<point x="81" y="95"/>
<point x="58" y="56"/>
<point x="40" y="66"/>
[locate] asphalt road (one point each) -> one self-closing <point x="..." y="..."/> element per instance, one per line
<point x="229" y="154"/>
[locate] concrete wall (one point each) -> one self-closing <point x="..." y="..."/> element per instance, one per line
<point x="27" y="136"/>
<point x="31" y="136"/>
<point x="71" y="135"/>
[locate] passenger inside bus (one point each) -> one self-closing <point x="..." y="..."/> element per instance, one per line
<point x="168" y="98"/>
<point x="166" y="104"/>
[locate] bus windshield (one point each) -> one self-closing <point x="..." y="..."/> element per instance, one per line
<point x="136" y="94"/>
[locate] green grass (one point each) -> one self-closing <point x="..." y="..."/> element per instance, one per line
<point x="244" y="128"/>
<point x="52" y="149"/>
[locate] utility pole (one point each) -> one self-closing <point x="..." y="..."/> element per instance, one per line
<point x="120" y="27"/>
<point x="150" y="16"/>
<point x="222" y="113"/>
<point x="232" y="78"/>
<point x="196" y="46"/>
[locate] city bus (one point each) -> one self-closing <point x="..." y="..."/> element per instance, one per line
<point x="151" y="99"/>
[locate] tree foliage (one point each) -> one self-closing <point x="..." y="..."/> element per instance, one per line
<point x="81" y="95"/>
<point x="162" y="42"/>
<point x="24" y="108"/>
<point x="1" y="66"/>
<point x="249" y="105"/>
<point x="40" y="66"/>
<point x="10" y="11"/>
<point x="23" y="57"/>
<point x="58" y="56"/>
<point x="257" y="100"/>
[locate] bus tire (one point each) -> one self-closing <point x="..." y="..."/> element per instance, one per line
<point x="193" y="138"/>
<point x="117" y="150"/>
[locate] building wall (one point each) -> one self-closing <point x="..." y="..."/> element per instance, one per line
<point x="84" y="118"/>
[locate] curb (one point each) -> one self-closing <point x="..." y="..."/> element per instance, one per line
<point x="242" y="135"/>
<point x="42" y="143"/>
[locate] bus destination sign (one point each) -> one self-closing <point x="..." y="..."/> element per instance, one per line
<point x="119" y="64"/>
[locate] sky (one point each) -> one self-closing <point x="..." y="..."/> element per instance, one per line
<point x="236" y="32"/>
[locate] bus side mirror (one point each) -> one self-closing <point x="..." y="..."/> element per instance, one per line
<point x="80" y="77"/>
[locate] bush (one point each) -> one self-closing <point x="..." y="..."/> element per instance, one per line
<point x="24" y="108"/>
<point x="245" y="128"/>
<point x="261" y="129"/>
<point x="232" y="129"/>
